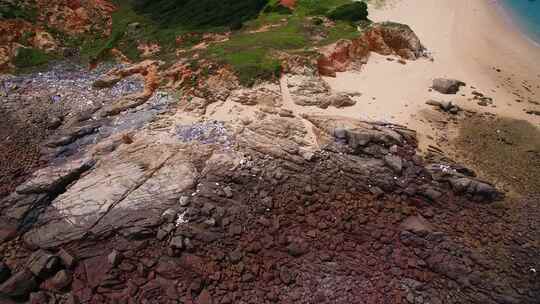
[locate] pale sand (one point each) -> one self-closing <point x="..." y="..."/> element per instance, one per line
<point x="468" y="40"/>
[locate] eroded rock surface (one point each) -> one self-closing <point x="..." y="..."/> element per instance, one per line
<point x="385" y="38"/>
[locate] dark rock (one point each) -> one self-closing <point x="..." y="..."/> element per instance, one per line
<point x="115" y="258"/>
<point x="137" y="233"/>
<point x="169" y="216"/>
<point x="394" y="162"/>
<point x="58" y="282"/>
<point x="447" y="86"/>
<point x="54" y="123"/>
<point x="19" y="285"/>
<point x="164" y="231"/>
<point x="67" y="258"/>
<point x="177" y="242"/>
<point x="432" y="193"/>
<point x="228" y="191"/>
<point x="235" y="256"/>
<point x="42" y="263"/>
<point x="5" y="272"/>
<point x="39" y="297"/>
<point x="184" y="201"/>
<point x="49" y="180"/>
<point x="297" y="248"/>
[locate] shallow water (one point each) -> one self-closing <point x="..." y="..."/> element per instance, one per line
<point x="526" y="14"/>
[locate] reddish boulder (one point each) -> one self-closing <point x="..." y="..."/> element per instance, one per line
<point x="385" y="39"/>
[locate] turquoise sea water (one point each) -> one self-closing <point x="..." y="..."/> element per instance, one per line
<point x="526" y="14"/>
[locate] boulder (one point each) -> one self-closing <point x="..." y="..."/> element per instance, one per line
<point x="312" y="90"/>
<point x="42" y="263"/>
<point x="68" y="259"/>
<point x="58" y="282"/>
<point x="115" y="258"/>
<point x="21" y="284"/>
<point x="177" y="242"/>
<point x="394" y="162"/>
<point x="447" y="86"/>
<point x="5" y="272"/>
<point x="416" y="224"/>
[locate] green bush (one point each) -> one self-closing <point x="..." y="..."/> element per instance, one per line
<point x="17" y="11"/>
<point x="200" y="13"/>
<point x="30" y="57"/>
<point x="352" y="12"/>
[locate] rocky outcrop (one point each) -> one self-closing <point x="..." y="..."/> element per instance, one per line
<point x="384" y="38"/>
<point x="147" y="69"/>
<point x="198" y="210"/>
<point x="75" y="16"/>
<point x="309" y="89"/>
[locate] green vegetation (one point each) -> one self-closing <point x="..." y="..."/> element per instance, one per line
<point x="200" y="13"/>
<point x="17" y="11"/>
<point x="250" y="54"/>
<point x="261" y="29"/>
<point x="30" y="57"/>
<point x="352" y="12"/>
<point x="318" y="7"/>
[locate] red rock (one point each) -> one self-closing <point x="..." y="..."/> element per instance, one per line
<point x="204" y="297"/>
<point x="385" y="39"/>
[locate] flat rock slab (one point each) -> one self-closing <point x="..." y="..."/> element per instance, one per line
<point x="127" y="189"/>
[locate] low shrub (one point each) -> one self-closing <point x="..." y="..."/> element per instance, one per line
<point x="30" y="57"/>
<point x="352" y="12"/>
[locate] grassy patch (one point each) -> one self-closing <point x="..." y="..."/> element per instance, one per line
<point x="250" y="54"/>
<point x="17" y="11"/>
<point x="200" y="13"/>
<point x="30" y="57"/>
<point x="352" y="12"/>
<point x="342" y="30"/>
<point x="318" y="7"/>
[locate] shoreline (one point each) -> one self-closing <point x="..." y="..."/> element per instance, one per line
<point x="513" y="20"/>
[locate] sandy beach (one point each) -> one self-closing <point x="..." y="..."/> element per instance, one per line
<point x="470" y="41"/>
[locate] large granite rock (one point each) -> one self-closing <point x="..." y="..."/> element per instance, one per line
<point x="447" y="86"/>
